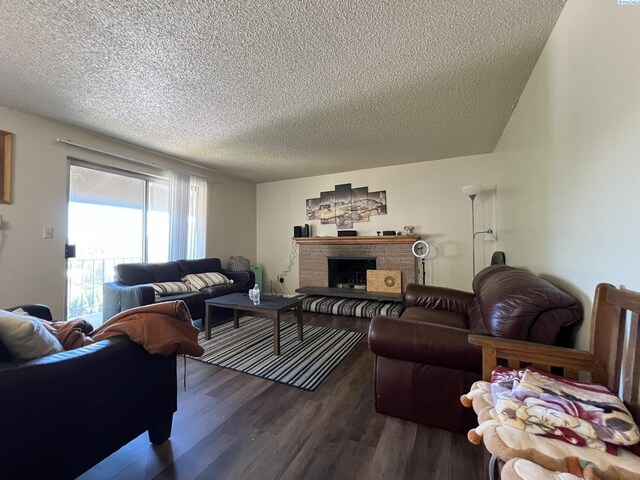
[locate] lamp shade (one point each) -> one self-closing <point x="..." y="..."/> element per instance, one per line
<point x="472" y="189"/>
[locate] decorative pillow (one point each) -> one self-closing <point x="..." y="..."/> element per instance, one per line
<point x="545" y="404"/>
<point x="202" y="280"/>
<point x="26" y="337"/>
<point x="238" y="264"/>
<point x="164" y="289"/>
<point x="507" y="443"/>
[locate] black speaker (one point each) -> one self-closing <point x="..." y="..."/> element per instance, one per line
<point x="347" y="233"/>
<point x="306" y="230"/>
<point x="297" y="231"/>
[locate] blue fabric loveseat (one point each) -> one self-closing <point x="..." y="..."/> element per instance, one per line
<point x="132" y="287"/>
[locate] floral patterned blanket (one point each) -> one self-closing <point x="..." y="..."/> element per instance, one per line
<point x="545" y="404"/>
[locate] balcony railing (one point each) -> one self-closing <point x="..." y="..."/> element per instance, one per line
<point x="84" y="285"/>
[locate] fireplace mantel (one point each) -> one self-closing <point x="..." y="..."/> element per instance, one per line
<point x="390" y="251"/>
<point x="379" y="240"/>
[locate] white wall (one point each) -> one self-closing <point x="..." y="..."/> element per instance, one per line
<point x="33" y="269"/>
<point x="570" y="155"/>
<point x="427" y="195"/>
<point x="231" y="229"/>
<point x="566" y="169"/>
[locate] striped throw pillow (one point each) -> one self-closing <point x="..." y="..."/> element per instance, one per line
<point x="201" y="280"/>
<point x="164" y="289"/>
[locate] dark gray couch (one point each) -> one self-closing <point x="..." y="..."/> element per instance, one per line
<point x="63" y="413"/>
<point x="131" y="288"/>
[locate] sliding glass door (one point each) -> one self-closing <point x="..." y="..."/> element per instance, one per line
<point x="113" y="217"/>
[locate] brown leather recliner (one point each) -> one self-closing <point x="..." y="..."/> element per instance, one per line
<point x="423" y="361"/>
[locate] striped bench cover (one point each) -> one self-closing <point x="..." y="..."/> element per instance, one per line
<point x="351" y="306"/>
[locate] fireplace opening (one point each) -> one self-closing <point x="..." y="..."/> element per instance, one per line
<point x="350" y="272"/>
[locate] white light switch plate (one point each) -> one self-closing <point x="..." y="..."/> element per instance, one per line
<point x="47" y="232"/>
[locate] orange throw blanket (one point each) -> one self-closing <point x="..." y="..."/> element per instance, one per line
<point x="161" y="328"/>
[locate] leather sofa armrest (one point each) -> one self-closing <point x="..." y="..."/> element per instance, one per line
<point x="64" y="379"/>
<point x="35" y="310"/>
<point x="41" y="365"/>
<point x="423" y="342"/>
<point x="245" y="278"/>
<point x="439" y="298"/>
<point x="118" y="297"/>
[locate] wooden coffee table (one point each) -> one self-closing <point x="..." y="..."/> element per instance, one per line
<point x="269" y="307"/>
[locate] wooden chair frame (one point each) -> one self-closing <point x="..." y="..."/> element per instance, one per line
<point x="613" y="359"/>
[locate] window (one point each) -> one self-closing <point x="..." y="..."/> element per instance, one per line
<point x="113" y="217"/>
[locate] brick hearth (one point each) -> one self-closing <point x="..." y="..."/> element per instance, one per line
<point x="391" y="253"/>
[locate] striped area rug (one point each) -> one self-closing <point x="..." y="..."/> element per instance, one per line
<point x="249" y="349"/>
<point x="351" y="306"/>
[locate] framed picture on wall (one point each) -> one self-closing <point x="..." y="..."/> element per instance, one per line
<point x="6" y="139"/>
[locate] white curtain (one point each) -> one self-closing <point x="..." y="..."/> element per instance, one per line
<point x="178" y="215"/>
<point x="187" y="216"/>
<point x="197" y="217"/>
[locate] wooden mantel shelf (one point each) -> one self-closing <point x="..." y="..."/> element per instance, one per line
<point x="383" y="239"/>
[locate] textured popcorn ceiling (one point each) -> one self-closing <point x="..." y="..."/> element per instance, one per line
<point x="275" y="89"/>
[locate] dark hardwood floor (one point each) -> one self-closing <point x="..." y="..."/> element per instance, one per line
<point x="231" y="425"/>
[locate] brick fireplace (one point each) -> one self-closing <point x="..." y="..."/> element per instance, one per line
<point x="390" y="253"/>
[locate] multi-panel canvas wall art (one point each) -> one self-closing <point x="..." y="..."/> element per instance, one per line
<point x="346" y="205"/>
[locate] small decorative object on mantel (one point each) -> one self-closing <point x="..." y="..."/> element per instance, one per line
<point x="6" y="141"/>
<point x="346" y="205"/>
<point x="386" y="281"/>
<point x="408" y="229"/>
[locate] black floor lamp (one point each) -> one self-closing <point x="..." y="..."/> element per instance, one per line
<point x="472" y="191"/>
